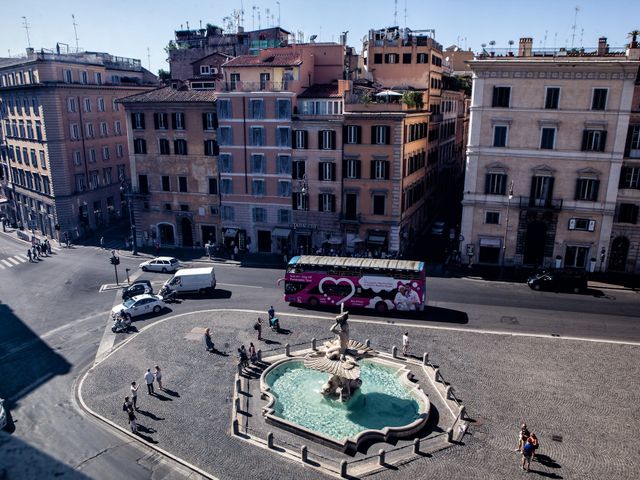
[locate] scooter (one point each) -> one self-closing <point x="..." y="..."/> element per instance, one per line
<point x="167" y="294"/>
<point x="121" y="323"/>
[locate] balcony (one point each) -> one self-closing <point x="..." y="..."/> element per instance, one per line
<point x="532" y="203"/>
<point x="350" y="219"/>
<point x="270" y="86"/>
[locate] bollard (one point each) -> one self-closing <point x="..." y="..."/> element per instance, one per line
<point x="343" y="469"/>
<point x="425" y="358"/>
<point x="394" y="351"/>
<point x="235" y="426"/>
<point x="270" y="440"/>
<point x="303" y="453"/>
<point x="259" y="355"/>
<point x="240" y="369"/>
<point x="450" y="435"/>
<point x="367" y="342"/>
<point x="416" y="445"/>
<point x="236" y="403"/>
<point x="238" y="385"/>
<point x="287" y="350"/>
<point x="381" y="454"/>
<point x="436" y="373"/>
<point x="313" y="344"/>
<point x="462" y="413"/>
<point x="447" y="392"/>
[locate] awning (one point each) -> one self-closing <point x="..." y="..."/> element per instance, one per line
<point x="280" y="232"/>
<point x="491" y="242"/>
<point x="231" y="232"/>
<point x="376" y="239"/>
<point x="335" y="240"/>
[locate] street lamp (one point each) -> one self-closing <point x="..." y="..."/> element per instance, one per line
<point x="126" y="190"/>
<point x="304" y="191"/>
<point x="506" y="228"/>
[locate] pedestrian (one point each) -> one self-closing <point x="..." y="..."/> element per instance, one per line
<point x="134" y="395"/>
<point x="127" y="405"/>
<point x="527" y="453"/>
<point x="148" y="377"/>
<point x="42" y="249"/>
<point x="158" y="375"/>
<point x="271" y="312"/>
<point x="405" y="343"/>
<point x="235" y="252"/>
<point x="244" y="356"/>
<point x="523" y="434"/>
<point x="48" y="247"/>
<point x="29" y="255"/>
<point x="253" y="356"/>
<point x="534" y="441"/>
<point x="101" y="242"/>
<point x="36" y="254"/>
<point x="208" y="343"/>
<point x="258" y="328"/>
<point x="132" y="421"/>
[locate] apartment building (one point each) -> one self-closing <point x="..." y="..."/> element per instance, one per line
<point x="174" y="166"/>
<point x="546" y="144"/>
<point x="66" y="146"/>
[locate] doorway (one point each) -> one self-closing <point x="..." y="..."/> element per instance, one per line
<point x="535" y="240"/>
<point x="186" y="231"/>
<point x="165" y="231"/>
<point x="619" y="253"/>
<point x="208" y="234"/>
<point x="351" y="206"/>
<point x="264" y="241"/>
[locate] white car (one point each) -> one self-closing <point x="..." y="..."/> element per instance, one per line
<point x="140" y="305"/>
<point x="160" y="264"/>
<point x="3" y="415"/>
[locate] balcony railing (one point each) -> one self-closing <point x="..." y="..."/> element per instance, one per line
<point x="346" y="218"/>
<point x="541" y="203"/>
<point x="270" y="86"/>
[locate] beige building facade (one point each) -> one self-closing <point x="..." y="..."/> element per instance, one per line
<point x="546" y="143"/>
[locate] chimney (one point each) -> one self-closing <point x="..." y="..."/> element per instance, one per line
<point x="525" y="47"/>
<point x="30" y="51"/>
<point x="603" y="48"/>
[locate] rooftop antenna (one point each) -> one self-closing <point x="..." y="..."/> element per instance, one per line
<point x="148" y="59"/>
<point x="75" y="31"/>
<point x="241" y="14"/>
<point x="581" y="37"/>
<point x="395" y="12"/>
<point x="405" y="14"/>
<point x="573" y="27"/>
<point x="278" y="13"/>
<point x="544" y="45"/>
<point x="253" y="17"/>
<point x="25" y="24"/>
<point x="555" y="40"/>
<point x="200" y="24"/>
<point x="267" y="11"/>
<point x="187" y="24"/>
<point x="259" y="22"/>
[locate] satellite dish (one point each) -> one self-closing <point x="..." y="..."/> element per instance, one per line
<point x="312" y="38"/>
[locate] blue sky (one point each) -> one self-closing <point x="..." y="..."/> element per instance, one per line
<point x="128" y="28"/>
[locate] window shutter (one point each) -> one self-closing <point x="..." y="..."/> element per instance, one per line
<point x="603" y="141"/>
<point x="175" y="147"/>
<point x="634" y="214"/>
<point x="333" y="140"/>
<point x="306" y="139"/>
<point x="577" y="194"/>
<point x="487" y="183"/>
<point x="173" y="121"/>
<point x="294" y="201"/>
<point x="333" y="203"/>
<point x="204" y="121"/>
<point x="387" y="167"/>
<point x="133" y="120"/>
<point x="184" y="121"/>
<point x="358" y="134"/>
<point x="627" y="144"/>
<point x="358" y="168"/>
<point x="294" y="143"/>
<point x="373" y="135"/>
<point x="215" y="121"/>
<point x="321" y="171"/>
<point x="373" y="169"/>
<point x="320" y="144"/>
<point x="387" y="137"/>
<point x="333" y="172"/>
<point x="156" y="121"/>
<point x="216" y="148"/>
<point x="344" y="168"/>
<point x="345" y="134"/>
<point x="596" y="188"/>
<point x="142" y="120"/>
<point x="623" y="174"/>
<point x="320" y="204"/>
<point x="585" y="139"/>
<point x="550" y="195"/>
<point x="533" y="190"/>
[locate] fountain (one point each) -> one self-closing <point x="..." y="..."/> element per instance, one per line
<point x="343" y="393"/>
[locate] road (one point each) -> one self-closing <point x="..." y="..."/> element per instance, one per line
<point x="54" y="318"/>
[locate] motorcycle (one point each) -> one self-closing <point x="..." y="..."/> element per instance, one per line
<point x="167" y="294"/>
<point x="121" y="323"/>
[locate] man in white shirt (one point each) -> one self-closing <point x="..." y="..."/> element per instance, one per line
<point x="148" y="377"/>
<point x="405" y="343"/>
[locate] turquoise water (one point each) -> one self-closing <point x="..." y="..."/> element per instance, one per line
<point x="382" y="401"/>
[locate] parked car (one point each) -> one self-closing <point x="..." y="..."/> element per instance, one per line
<point x="140" y="305"/>
<point x="437" y="228"/>
<point x="559" y="280"/>
<point x="3" y="415"/>
<point x="160" y="264"/>
<point x="137" y="288"/>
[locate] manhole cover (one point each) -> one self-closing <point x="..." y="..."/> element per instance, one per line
<point x="556" y="438"/>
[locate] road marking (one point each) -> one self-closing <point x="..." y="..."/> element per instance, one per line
<point x="20" y="258"/>
<point x="15" y="262"/>
<point x="6" y="263"/>
<point x="237" y="285"/>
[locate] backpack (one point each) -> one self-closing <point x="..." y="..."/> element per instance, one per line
<point x="527" y="449"/>
<point x="256" y="326"/>
<point x="124" y="407"/>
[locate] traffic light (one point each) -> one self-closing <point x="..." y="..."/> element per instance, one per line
<point x="115" y="260"/>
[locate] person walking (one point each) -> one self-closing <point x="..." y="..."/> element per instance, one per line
<point x="132" y="421"/>
<point x="149" y="378"/>
<point x="127" y="405"/>
<point x="29" y="255"/>
<point x="527" y="453"/>
<point x="34" y="251"/>
<point x="258" y="328"/>
<point x="102" y="242"/>
<point x="158" y="375"/>
<point x="534" y="441"/>
<point x="241" y="358"/>
<point x="523" y="435"/>
<point x="134" y="395"/>
<point x="208" y="343"/>
<point x="253" y="356"/>
<point x="244" y="357"/>
<point x="48" y="247"/>
<point x="405" y="344"/>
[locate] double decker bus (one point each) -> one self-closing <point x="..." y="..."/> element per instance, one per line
<point x="357" y="282"/>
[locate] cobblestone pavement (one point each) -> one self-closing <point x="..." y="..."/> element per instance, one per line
<point x="585" y="392"/>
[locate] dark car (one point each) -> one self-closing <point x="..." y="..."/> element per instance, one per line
<point x="137" y="288"/>
<point x="559" y="280"/>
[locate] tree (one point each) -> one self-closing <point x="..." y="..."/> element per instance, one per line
<point x="163" y="75"/>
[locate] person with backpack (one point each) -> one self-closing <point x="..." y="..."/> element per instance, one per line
<point x="258" y="327"/>
<point x="527" y="453"/>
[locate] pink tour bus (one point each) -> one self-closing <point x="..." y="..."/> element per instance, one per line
<point x="357" y="282"/>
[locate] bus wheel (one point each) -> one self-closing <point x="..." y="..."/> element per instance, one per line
<point x="381" y="307"/>
<point x="313" y="302"/>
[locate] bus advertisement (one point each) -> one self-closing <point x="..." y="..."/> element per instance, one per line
<point x="357" y="282"/>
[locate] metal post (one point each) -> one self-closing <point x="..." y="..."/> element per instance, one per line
<point x="425" y="358"/>
<point x="303" y="453"/>
<point x="394" y="351"/>
<point x="270" y="440"/>
<point x="343" y="469"/>
<point x="506" y="228"/>
<point x="313" y="344"/>
<point x="287" y="350"/>
<point x="133" y="228"/>
<point x="416" y="445"/>
<point x="381" y="454"/>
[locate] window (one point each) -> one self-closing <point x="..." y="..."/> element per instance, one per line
<point x="283" y="136"/>
<point x="501" y="97"/>
<point x="264" y="80"/>
<point x="68" y="77"/>
<point x="327" y="171"/>
<point x="552" y="98"/>
<point x="587" y="189"/>
<point x="103" y="129"/>
<point x="582" y="224"/>
<point x="117" y="128"/>
<point x="92" y="155"/>
<point x="101" y="105"/>
<point x="84" y="78"/>
<point x="184" y="208"/>
<point x="160" y="121"/>
<point x="167" y="207"/>
<point x="226" y="186"/>
<point x="46" y="185"/>
<point x="209" y="121"/>
<point x="178" y="121"/>
<point x="225" y="136"/>
<point x="300" y="201"/>
<point x="119" y="150"/>
<point x="422" y="58"/>
<point x="257" y="136"/>
<point x="594" y="140"/>
<point x="634" y="141"/>
<point x="377" y="58"/>
<point x="43" y="160"/>
<point x="353" y="134"/>
<point x="166" y="183"/>
<point x="205" y="70"/>
<point x="283" y="107"/>
<point x="225" y="163"/>
<point x="211" y="148"/>
<point x="108" y="178"/>
<point x="182" y="184"/>
<point x="300" y="139"/>
<point x="576" y="256"/>
<point x="352" y="168"/>
<point x="284" y="188"/>
<point x="392" y="58"/>
<point x="628" y="213"/>
<point x="379" y="204"/>
<point x="541" y="190"/>
<point x="599" y="100"/>
<point x="500" y="133"/>
<point x="492" y="218"/>
<point x="380" y="169"/>
<point x="257" y="163"/>
<point x="139" y="146"/>
<point x="71" y="104"/>
<point x="283" y="164"/>
<point x="257" y="188"/>
<point x="548" y="138"/>
<point x="298" y="172"/>
<point x="630" y="177"/>
<point x="80" y="183"/>
<point x="327" y="140"/>
<point x="115" y="106"/>
<point x="77" y="158"/>
<point x="137" y="121"/>
<point x="327" y="202"/>
<point x="214" y="210"/>
<point x="94" y="179"/>
<point x="284" y="216"/>
<point x="213" y="186"/>
<point x="223" y="107"/>
<point x="105" y="153"/>
<point x="163" y="147"/>
<point x="180" y="146"/>
<point x="34" y="160"/>
<point x="256" y="109"/>
<point x="380" y="134"/>
<point x="98" y="78"/>
<point x="259" y="214"/>
<point x="87" y="105"/>
<point x="226" y="212"/>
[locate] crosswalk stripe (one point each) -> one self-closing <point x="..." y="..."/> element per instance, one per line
<point x="20" y="259"/>
<point x="6" y="263"/>
<point x="15" y="262"/>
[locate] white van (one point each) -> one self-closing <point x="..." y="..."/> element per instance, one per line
<point x="189" y="280"/>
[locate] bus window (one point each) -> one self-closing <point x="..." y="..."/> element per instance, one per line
<point x="294" y="287"/>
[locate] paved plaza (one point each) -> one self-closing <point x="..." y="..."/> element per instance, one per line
<point x="579" y="397"/>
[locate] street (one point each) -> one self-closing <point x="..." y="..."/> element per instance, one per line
<point x="54" y="319"/>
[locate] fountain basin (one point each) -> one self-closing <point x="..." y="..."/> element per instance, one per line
<point x="388" y="405"/>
